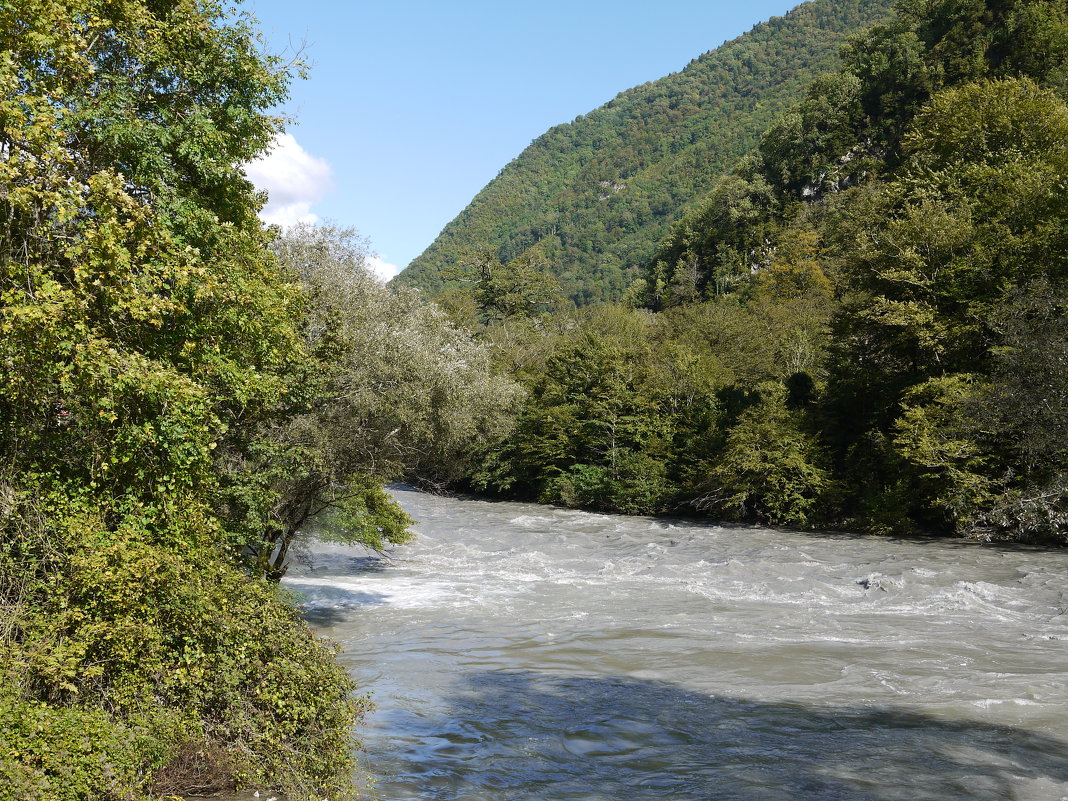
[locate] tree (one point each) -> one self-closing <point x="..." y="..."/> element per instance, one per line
<point x="1023" y="414"/>
<point x="393" y="390"/>
<point x="771" y="469"/>
<point x="593" y="430"/>
<point x="522" y="287"/>
<point x="814" y="148"/>
<point x="972" y="223"/>
<point x="145" y="331"/>
<point x="123" y="130"/>
<point x="714" y="249"/>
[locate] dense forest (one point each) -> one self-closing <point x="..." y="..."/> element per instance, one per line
<point x="847" y="311"/>
<point x="181" y="391"/>
<point x="593" y="198"/>
<point x="861" y="325"/>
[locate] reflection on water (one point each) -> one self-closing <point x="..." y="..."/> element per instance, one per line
<point x="518" y="652"/>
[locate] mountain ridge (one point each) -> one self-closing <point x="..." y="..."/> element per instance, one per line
<point x="599" y="193"/>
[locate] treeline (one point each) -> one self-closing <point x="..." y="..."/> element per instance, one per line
<point x="181" y="392"/>
<point x="862" y="325"/>
<point x="596" y="196"/>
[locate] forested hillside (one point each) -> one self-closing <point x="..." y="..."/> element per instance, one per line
<point x="862" y="325"/>
<point x="598" y="194"/>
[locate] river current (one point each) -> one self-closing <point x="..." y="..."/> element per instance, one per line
<point x="528" y="653"/>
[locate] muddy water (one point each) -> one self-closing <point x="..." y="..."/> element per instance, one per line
<point x="518" y="652"/>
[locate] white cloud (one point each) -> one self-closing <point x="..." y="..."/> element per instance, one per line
<point x="382" y="268"/>
<point x="293" y="179"/>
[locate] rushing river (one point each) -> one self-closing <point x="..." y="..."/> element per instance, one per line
<point x="526" y="653"/>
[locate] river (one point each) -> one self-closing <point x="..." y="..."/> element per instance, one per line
<point x="527" y="653"/>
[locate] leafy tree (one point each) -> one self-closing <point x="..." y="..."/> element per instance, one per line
<point x="523" y="287"/>
<point x="972" y="221"/>
<point x="814" y="148"/>
<point x="715" y="249"/>
<point x="944" y="457"/>
<point x="770" y="469"/>
<point x="145" y="332"/>
<point x="1020" y="418"/>
<point x="591" y="432"/>
<point x="793" y="271"/>
<point x="392" y="390"/>
<point x="970" y="216"/>
<point x="1028" y="397"/>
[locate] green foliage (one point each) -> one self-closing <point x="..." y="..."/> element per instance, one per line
<point x="1027" y="399"/>
<point x="593" y="426"/>
<point x="598" y="194"/>
<point x="851" y="130"/>
<point x="67" y="754"/>
<point x="150" y="649"/>
<point x="146" y="334"/>
<point x="389" y="389"/>
<point x="813" y="149"/>
<point x="862" y="324"/>
<point x="369" y="516"/>
<point x="973" y="218"/>
<point x="636" y="483"/>
<point x="520" y="288"/>
<point x="627" y="411"/>
<point x="913" y="198"/>
<point x="944" y="455"/>
<point x="770" y="469"/>
<point x="713" y="250"/>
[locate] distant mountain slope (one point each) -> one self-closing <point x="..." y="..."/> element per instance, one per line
<point x="601" y="192"/>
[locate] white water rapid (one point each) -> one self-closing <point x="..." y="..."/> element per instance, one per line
<point x="526" y="653"/>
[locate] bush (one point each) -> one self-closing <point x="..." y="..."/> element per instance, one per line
<point x="130" y="664"/>
<point x="67" y="754"/>
<point x="638" y="485"/>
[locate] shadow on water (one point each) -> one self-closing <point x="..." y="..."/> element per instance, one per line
<point x="328" y="562"/>
<point x="527" y="736"/>
<point x="369" y="564"/>
<point x="330" y="616"/>
<point x="323" y="605"/>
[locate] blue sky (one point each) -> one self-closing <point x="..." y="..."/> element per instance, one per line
<point x="413" y="106"/>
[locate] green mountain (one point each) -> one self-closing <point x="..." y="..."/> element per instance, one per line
<point x="600" y="193"/>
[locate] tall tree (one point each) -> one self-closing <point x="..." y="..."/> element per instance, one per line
<point x="144" y="330"/>
<point x="391" y="390"/>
